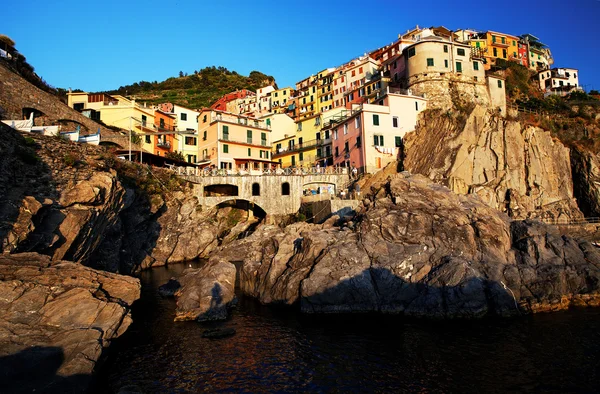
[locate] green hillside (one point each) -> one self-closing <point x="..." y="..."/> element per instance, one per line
<point x="197" y="90"/>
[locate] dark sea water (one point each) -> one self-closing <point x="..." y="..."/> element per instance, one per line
<point x="280" y="350"/>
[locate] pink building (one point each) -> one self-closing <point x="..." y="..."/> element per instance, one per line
<point x="370" y="136"/>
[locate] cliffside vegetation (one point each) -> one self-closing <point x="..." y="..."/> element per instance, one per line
<point x="197" y="90"/>
<point x="572" y="119"/>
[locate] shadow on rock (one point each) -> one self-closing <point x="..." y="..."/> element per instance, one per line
<point x="34" y="369"/>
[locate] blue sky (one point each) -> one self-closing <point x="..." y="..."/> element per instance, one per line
<point x="91" y="47"/>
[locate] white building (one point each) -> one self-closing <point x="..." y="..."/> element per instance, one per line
<point x="560" y="81"/>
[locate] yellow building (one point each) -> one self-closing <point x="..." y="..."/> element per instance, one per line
<point x="307" y="98"/>
<point x="325" y="90"/>
<point x="309" y="144"/>
<point x="233" y="142"/>
<point x="500" y="46"/>
<point x="299" y="149"/>
<point x="118" y="111"/>
<point x="280" y="99"/>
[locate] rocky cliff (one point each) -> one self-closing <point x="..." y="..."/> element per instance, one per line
<point x="519" y="170"/>
<point x="78" y="202"/>
<point x="419" y="249"/>
<point x="585" y="168"/>
<point x="55" y="319"/>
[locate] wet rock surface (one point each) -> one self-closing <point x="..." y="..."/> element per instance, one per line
<point x="55" y="319"/>
<point x="420" y="250"/>
<point x="206" y="293"/>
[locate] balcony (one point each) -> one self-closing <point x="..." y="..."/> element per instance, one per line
<point x="164" y="144"/>
<point x="241" y="120"/>
<point x="245" y="141"/>
<point x="498" y="42"/>
<point x="301" y="147"/>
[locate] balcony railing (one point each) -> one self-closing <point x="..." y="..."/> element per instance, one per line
<point x="300" y="147"/>
<point x="261" y="124"/>
<point x="164" y="144"/>
<point x="245" y="141"/>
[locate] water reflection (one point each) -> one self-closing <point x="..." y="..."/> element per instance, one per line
<point x="280" y="350"/>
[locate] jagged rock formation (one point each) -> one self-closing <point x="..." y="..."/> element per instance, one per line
<point x="586" y="180"/>
<point x="206" y="293"/>
<point x="520" y="170"/>
<point x="68" y="201"/>
<point x="55" y="319"/>
<point x="419" y="249"/>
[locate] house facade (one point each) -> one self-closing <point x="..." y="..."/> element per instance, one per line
<point x="370" y="136"/>
<point x="561" y="81"/>
<point x="233" y="142"/>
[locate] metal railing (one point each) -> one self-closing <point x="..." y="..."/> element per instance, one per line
<point x="572" y="222"/>
<point x="299" y="171"/>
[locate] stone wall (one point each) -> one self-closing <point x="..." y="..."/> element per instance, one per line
<point x="448" y="90"/>
<point x="16" y="93"/>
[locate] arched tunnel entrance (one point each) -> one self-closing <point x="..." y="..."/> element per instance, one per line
<point x="238" y="218"/>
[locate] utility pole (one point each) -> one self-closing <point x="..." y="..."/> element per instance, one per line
<point x="130" y="139"/>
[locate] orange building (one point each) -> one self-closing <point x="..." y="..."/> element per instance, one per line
<point x="164" y="122"/>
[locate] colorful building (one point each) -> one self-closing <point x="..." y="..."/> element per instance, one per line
<point x="560" y="81"/>
<point x="117" y="111"/>
<point x="233" y="142"/>
<point x="371" y="136"/>
<point x="280" y="99"/>
<point x="299" y="148"/>
<point x="164" y="142"/>
<point x="324" y="90"/>
<point x="540" y="57"/>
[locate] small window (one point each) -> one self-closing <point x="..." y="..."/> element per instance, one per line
<point x="458" y="67"/>
<point x="398" y="141"/>
<point x="375" y="120"/>
<point x="446" y="63"/>
<point x="475" y="66"/>
<point x="249" y="152"/>
<point x="249" y="136"/>
<point x="183" y="116"/>
<point x="204" y="119"/>
<point x="358" y="142"/>
<point x="299" y="126"/>
<point x="460" y="52"/>
<point x="395" y="121"/>
<point x="255" y="189"/>
<point x="204" y="136"/>
<point x="429" y="62"/>
<point x="345" y="128"/>
<point x="411" y="52"/>
<point x="337" y="152"/>
<point x="147" y="139"/>
<point x="378" y="140"/>
<point x="301" y="156"/>
<point x="260" y="154"/>
<point x="263" y="139"/>
<point x="285" y="189"/>
<point x="225" y="148"/>
<point x="499" y="83"/>
<point x="268" y="122"/>
<point x="416" y="105"/>
<point x="226" y="133"/>
<point x="346" y="147"/>
<point x="445" y="48"/>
